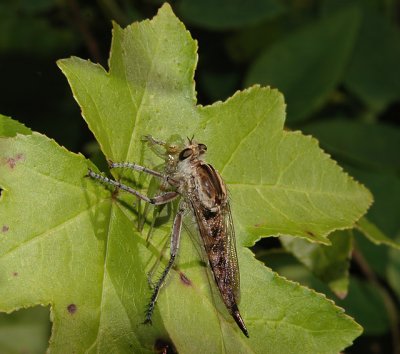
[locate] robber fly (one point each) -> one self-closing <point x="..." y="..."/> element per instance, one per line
<point x="202" y="191"/>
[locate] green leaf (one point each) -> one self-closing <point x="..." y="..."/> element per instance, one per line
<point x="308" y="64"/>
<point x="159" y="88"/>
<point x="10" y="127"/>
<point x="372" y="148"/>
<point x="89" y="262"/>
<point x="89" y="265"/>
<point x="228" y="14"/>
<point x="148" y="85"/>
<point x="373" y="233"/>
<point x="329" y="263"/>
<point x="373" y="72"/>
<point x="386" y="190"/>
<point x="265" y="170"/>
<point x="370" y="145"/>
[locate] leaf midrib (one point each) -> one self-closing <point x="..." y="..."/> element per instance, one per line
<point x="135" y="122"/>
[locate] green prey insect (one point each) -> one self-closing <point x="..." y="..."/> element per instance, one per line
<point x="203" y="192"/>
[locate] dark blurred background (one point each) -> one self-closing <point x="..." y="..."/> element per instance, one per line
<point x="336" y="61"/>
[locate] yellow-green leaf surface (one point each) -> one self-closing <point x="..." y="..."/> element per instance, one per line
<point x="10" y="127"/>
<point x="70" y="242"/>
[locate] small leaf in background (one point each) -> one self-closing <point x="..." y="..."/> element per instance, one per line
<point x="375" y="235"/>
<point x="26" y="331"/>
<point x="328" y="263"/>
<point x="384" y="213"/>
<point x="308" y="64"/>
<point x="91" y="263"/>
<point x="227" y="14"/>
<point x="244" y="45"/>
<point x="372" y="146"/>
<point x="373" y="73"/>
<point x="22" y="24"/>
<point x="386" y="189"/>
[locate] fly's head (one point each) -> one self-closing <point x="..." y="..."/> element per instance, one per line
<point x="175" y="152"/>
<point x="192" y="152"/>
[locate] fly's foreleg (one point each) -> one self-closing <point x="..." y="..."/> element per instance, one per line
<point x="135" y="167"/>
<point x="157" y="146"/>
<point x="157" y="200"/>
<point x="175" y="238"/>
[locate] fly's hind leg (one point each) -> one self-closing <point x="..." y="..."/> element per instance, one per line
<point x="175" y="239"/>
<point x="150" y="274"/>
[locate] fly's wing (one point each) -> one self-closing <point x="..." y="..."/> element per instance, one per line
<point x="218" y="236"/>
<point x="233" y="264"/>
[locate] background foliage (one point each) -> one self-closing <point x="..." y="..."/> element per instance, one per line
<point x="336" y="63"/>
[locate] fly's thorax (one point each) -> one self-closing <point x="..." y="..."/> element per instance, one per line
<point x="198" y="179"/>
<point x="210" y="187"/>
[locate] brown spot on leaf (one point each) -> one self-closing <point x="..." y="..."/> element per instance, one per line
<point x="15" y="274"/>
<point x="309" y="233"/>
<point x="4" y="229"/>
<point x="12" y="161"/>
<point x="72" y="308"/>
<point x="184" y="279"/>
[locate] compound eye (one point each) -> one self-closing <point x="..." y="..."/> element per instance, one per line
<point x="184" y="154"/>
<point x="202" y="148"/>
